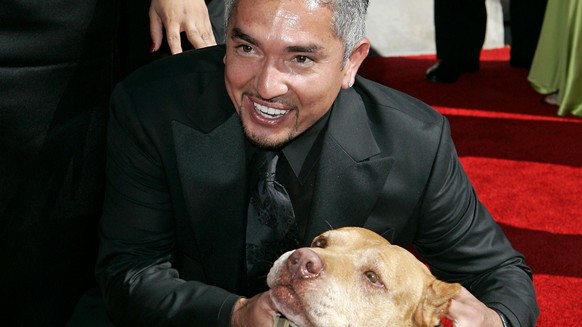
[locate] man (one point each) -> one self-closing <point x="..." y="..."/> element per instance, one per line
<point x="184" y="135"/>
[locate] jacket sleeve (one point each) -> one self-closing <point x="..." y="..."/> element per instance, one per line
<point x="461" y="242"/>
<point x="134" y="268"/>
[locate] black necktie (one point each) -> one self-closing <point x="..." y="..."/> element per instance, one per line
<point x="271" y="227"/>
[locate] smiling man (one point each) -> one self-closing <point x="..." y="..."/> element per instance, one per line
<point x="183" y="240"/>
<point x="284" y="73"/>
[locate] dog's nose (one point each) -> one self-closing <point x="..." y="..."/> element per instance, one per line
<point x="304" y="263"/>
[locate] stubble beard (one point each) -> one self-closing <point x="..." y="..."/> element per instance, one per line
<point x="265" y="142"/>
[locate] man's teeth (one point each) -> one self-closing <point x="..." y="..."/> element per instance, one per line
<point x="269" y="112"/>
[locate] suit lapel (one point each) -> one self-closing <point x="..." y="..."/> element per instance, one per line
<point x="352" y="170"/>
<point x="351" y="174"/>
<point x="216" y="203"/>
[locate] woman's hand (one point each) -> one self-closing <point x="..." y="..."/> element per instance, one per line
<point x="189" y="16"/>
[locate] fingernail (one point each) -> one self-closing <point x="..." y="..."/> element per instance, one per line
<point x="153" y="48"/>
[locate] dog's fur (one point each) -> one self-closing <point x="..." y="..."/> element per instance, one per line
<point x="353" y="277"/>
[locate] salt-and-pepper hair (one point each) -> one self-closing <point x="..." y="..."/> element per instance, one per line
<point x="349" y="20"/>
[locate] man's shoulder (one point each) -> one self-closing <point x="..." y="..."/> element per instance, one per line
<point x="187" y="88"/>
<point x="190" y="65"/>
<point x="395" y="103"/>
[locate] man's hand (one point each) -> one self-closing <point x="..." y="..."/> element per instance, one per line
<point x="189" y="16"/>
<point x="258" y="311"/>
<point x="466" y="310"/>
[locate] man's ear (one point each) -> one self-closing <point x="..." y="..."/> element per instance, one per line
<point x="435" y="303"/>
<point x="355" y="61"/>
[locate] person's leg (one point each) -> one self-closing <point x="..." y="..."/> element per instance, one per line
<point x="526" y="18"/>
<point x="445" y="14"/>
<point x="460" y="27"/>
<point x="472" y="34"/>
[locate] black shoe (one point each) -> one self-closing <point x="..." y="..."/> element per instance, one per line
<point x="443" y="72"/>
<point x="449" y="72"/>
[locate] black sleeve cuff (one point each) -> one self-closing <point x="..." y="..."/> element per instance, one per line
<point x="225" y="313"/>
<point x="504" y="319"/>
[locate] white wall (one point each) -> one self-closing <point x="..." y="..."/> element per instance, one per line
<point x="406" y="27"/>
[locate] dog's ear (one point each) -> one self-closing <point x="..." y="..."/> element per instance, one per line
<point x="435" y="303"/>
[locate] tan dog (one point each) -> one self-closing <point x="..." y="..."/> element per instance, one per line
<point x="353" y="277"/>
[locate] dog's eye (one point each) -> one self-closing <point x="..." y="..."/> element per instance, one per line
<point x="373" y="278"/>
<point x="320" y="242"/>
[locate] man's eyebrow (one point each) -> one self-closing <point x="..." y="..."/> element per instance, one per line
<point x="238" y="33"/>
<point x="310" y="48"/>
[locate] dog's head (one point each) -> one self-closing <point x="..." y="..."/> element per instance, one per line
<point x="353" y="277"/>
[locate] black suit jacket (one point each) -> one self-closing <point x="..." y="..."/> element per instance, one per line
<point x="173" y="229"/>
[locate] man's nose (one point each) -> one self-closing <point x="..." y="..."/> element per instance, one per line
<point x="271" y="81"/>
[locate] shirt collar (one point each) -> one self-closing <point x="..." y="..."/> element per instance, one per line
<point x="296" y="151"/>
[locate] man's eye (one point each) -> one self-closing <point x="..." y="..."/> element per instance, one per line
<point x="245" y="48"/>
<point x="303" y="59"/>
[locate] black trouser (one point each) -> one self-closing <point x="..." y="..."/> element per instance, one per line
<point x="460" y="27"/>
<point x="526" y="19"/>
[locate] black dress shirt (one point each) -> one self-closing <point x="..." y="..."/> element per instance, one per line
<point x="296" y="170"/>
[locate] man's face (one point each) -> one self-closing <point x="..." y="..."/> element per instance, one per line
<point x="284" y="67"/>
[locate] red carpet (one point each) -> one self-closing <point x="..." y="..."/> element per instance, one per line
<point x="525" y="163"/>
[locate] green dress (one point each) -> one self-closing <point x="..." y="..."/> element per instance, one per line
<point x="557" y="64"/>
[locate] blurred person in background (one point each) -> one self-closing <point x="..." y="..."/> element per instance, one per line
<point x="460" y="28"/>
<point x="59" y="62"/>
<point x="556" y="71"/>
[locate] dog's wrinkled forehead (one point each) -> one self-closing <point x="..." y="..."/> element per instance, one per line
<point x="356" y="246"/>
<point x="347" y="237"/>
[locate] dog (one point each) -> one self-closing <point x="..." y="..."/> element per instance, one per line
<point x="353" y="277"/>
